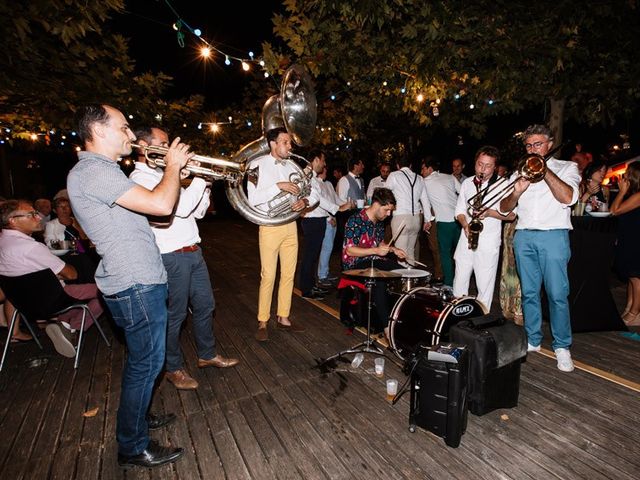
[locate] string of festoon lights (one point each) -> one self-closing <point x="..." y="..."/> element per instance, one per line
<point x="207" y="48"/>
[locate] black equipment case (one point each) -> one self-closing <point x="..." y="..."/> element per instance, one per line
<point x="438" y="395"/>
<point x="497" y="348"/>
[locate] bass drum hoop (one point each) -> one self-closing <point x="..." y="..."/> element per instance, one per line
<point x="449" y="306"/>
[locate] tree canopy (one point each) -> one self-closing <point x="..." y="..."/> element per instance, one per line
<point x="63" y="55"/>
<point x="457" y="63"/>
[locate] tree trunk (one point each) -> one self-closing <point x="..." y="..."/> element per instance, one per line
<point x="556" y="119"/>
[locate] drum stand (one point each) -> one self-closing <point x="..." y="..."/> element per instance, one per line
<point x="368" y="346"/>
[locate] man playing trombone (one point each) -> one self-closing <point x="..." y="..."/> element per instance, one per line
<point x="541" y="243"/>
<point x="479" y="255"/>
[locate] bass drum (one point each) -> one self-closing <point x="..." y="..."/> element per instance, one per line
<point x="424" y="315"/>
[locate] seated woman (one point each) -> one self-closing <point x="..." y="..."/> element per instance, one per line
<point x="591" y="189"/>
<point x="65" y="227"/>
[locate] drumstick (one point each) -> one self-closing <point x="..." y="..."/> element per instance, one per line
<point x="415" y="262"/>
<point x="396" y="237"/>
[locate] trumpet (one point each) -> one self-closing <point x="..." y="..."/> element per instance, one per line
<point x="200" y="166"/>
<point x="532" y="167"/>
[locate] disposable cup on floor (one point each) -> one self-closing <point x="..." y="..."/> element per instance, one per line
<point x="357" y="360"/>
<point x="379" y="365"/>
<point x="392" y="388"/>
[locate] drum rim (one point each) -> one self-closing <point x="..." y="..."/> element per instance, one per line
<point x="448" y="306"/>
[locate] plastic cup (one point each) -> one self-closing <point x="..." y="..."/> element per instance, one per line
<point x="360" y="203"/>
<point x="357" y="360"/>
<point x="392" y="389"/>
<point x="579" y="208"/>
<point x="379" y="366"/>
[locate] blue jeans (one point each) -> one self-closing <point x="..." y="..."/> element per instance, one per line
<point x="542" y="256"/>
<point x="189" y="282"/>
<point x="325" y="251"/>
<point x="141" y="311"/>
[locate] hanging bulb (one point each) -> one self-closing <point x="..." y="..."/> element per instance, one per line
<point x="436" y="111"/>
<point x="226" y="60"/>
<point x="197" y="32"/>
<point x="245" y="66"/>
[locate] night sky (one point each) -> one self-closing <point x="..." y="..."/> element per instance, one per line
<point x="235" y="27"/>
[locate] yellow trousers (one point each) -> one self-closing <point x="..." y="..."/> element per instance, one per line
<point x="279" y="241"/>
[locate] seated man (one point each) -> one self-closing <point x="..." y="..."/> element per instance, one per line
<point x="21" y="254"/>
<point x="364" y="247"/>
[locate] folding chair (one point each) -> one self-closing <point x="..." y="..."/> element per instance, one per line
<point x="40" y="295"/>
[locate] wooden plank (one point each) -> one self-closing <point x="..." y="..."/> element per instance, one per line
<point x="209" y="463"/>
<point x="228" y="451"/>
<point x="279" y="460"/>
<point x="303" y="456"/>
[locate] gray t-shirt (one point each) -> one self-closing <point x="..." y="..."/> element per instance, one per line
<point x="122" y="238"/>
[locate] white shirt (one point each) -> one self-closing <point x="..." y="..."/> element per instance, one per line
<point x="377" y="182"/>
<point x="270" y="172"/>
<point x="342" y="188"/>
<point x="401" y="187"/>
<point x="492" y="232"/>
<point x="442" y="190"/>
<point x="538" y="209"/>
<point x="326" y="206"/>
<point x="192" y="204"/>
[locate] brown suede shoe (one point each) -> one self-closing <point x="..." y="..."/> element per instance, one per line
<point x="294" y="327"/>
<point x="218" y="361"/>
<point x="262" y="335"/>
<point x="181" y="380"/>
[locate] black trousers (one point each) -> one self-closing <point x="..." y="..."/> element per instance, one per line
<point x="313" y="230"/>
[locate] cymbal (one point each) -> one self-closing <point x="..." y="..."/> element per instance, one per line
<point x="371" y="273"/>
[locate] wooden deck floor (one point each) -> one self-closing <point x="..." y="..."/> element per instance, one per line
<point x="276" y="416"/>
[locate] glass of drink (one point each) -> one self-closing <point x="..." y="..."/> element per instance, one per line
<point x="392" y="389"/>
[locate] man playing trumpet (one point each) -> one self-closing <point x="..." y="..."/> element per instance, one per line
<point x="483" y="260"/>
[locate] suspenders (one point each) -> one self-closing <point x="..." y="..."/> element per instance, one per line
<point x="412" y="185"/>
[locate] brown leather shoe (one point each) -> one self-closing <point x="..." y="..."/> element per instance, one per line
<point x="218" y="361"/>
<point x="181" y="380"/>
<point x="262" y="335"/>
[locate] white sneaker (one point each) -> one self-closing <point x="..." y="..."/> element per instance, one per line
<point x="563" y="356"/>
<point x="531" y="348"/>
<point x="60" y="337"/>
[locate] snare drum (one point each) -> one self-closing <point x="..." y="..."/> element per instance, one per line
<point x="410" y="278"/>
<point x="423" y="316"/>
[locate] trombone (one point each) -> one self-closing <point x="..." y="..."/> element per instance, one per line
<point x="532" y="167"/>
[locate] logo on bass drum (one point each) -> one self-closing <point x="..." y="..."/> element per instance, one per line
<point x="462" y="310"/>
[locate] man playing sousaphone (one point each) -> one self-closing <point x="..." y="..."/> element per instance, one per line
<point x="364" y="247"/>
<point x="276" y="241"/>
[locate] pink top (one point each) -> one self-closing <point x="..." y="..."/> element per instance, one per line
<point x="21" y="254"/>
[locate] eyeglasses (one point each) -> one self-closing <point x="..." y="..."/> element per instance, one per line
<point x="32" y="214"/>
<point x="534" y="145"/>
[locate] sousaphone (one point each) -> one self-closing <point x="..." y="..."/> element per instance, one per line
<point x="295" y="109"/>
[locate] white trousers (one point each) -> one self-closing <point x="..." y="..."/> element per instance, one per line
<point x="483" y="262"/>
<point x="409" y="236"/>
